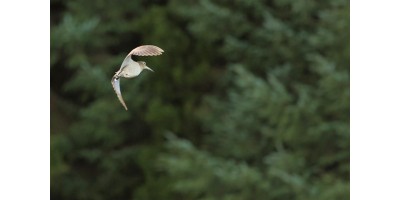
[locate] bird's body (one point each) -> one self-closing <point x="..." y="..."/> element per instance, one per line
<point x="130" y="68"/>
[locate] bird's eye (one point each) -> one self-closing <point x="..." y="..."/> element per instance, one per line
<point x="144" y="62"/>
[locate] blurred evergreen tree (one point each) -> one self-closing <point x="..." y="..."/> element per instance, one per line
<point x="278" y="128"/>
<point x="253" y="99"/>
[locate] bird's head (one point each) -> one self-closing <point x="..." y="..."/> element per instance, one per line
<point x="144" y="66"/>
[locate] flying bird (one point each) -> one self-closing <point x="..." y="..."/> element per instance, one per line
<point x="130" y="68"/>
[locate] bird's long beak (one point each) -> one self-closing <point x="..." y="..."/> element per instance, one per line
<point x="148" y="68"/>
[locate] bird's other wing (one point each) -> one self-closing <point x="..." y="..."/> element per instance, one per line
<point x="115" y="84"/>
<point x="146" y="50"/>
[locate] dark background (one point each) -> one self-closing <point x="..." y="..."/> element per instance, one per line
<point x="250" y="100"/>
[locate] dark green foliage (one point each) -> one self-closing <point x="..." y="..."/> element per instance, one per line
<point x="249" y="101"/>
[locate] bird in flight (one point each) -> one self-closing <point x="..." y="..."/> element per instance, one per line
<point x="131" y="68"/>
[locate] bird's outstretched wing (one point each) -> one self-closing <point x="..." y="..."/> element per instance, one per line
<point x="146" y="50"/>
<point x="115" y="84"/>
